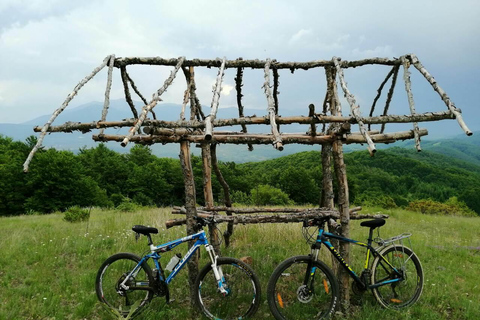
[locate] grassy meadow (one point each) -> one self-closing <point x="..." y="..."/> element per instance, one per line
<point x="48" y="266"/>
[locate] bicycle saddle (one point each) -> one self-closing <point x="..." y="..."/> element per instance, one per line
<point x="373" y="223"/>
<point x="144" y="230"/>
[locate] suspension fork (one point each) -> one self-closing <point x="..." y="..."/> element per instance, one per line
<point x="310" y="272"/>
<point x="217" y="271"/>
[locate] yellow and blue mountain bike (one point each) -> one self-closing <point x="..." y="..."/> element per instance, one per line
<point x="226" y="288"/>
<point x="304" y="287"/>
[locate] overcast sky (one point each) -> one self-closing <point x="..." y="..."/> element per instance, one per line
<point x="48" y="46"/>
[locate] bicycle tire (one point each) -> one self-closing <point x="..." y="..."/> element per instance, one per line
<point x="119" y="301"/>
<point x="400" y="294"/>
<point x="288" y="296"/>
<point x="243" y="285"/>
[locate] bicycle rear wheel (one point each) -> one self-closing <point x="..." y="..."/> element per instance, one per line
<point x="114" y="271"/>
<point x="243" y="291"/>
<point x="402" y="293"/>
<point x="301" y="288"/>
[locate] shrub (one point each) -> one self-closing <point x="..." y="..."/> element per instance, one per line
<point x="452" y="207"/>
<point x="268" y="195"/>
<point x="127" y="205"/>
<point x="240" y="197"/>
<point x="376" y="200"/>
<point x="117" y="198"/>
<point x="76" y="214"/>
<point x="142" y="199"/>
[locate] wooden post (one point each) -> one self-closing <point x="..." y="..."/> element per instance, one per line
<point x="208" y="192"/>
<point x="343" y="207"/>
<point x="191" y="212"/>
<point x="326" y="200"/>
<point x="342" y="197"/>
<point x="226" y="191"/>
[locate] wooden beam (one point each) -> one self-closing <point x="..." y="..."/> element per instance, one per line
<point x="277" y="141"/>
<point x="106" y="103"/>
<point x="317" y="118"/>
<point x="354" y="107"/>
<point x="57" y="112"/>
<point x="287" y="138"/>
<point x="254" y="64"/>
<point x="390" y="95"/>
<point x="411" y="103"/>
<point x="215" y="101"/>
<point x="379" y="93"/>
<point x="156" y="97"/>
<point x="253" y="219"/>
<point x="450" y="105"/>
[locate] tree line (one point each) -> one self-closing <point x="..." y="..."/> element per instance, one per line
<point x="101" y="177"/>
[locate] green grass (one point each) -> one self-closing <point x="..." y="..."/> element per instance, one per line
<point x="48" y="266"/>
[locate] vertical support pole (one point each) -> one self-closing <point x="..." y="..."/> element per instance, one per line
<point x="208" y="192"/>
<point x="343" y="208"/>
<point x="326" y="200"/>
<point x="342" y="197"/>
<point x="190" y="206"/>
<point x="226" y="191"/>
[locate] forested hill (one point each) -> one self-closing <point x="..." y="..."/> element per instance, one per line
<point x="394" y="177"/>
<point x="397" y="174"/>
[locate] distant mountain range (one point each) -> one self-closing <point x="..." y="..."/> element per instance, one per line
<point x="460" y="147"/>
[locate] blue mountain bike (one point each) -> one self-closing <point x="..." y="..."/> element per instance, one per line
<point x="226" y="288"/>
<point x="304" y="287"/>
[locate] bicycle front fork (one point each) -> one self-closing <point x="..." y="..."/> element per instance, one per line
<point x="217" y="271"/>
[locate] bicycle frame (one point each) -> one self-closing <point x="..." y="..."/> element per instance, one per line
<point x="201" y="240"/>
<point x="323" y="237"/>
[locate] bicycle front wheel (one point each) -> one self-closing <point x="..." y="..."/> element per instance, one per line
<point x="242" y="298"/>
<point x="301" y="288"/>
<point x="121" y="301"/>
<point x="402" y="293"/>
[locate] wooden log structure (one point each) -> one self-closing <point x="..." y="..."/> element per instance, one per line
<point x="411" y="103"/>
<point x="254" y="219"/>
<point x="253" y="64"/>
<point x="277" y="141"/>
<point x="209" y="210"/>
<point x="215" y="101"/>
<point x="457" y="112"/>
<point x="106" y="102"/>
<point x="390" y="94"/>
<point x="57" y="112"/>
<point x="336" y="132"/>
<point x="195" y="124"/>
<point x="354" y="107"/>
<point x="156" y="97"/>
<point x="262" y="138"/>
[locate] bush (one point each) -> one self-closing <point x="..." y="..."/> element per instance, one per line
<point x="127" y="206"/>
<point x="76" y="214"/>
<point x="376" y="200"/>
<point x="117" y="198"/>
<point x="268" y="195"/>
<point x="452" y="207"/>
<point x="142" y="199"/>
<point x="240" y="197"/>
